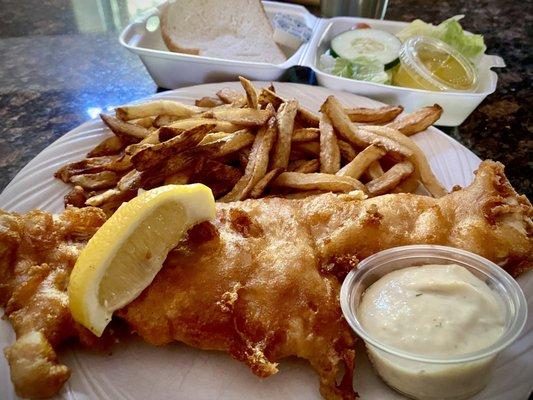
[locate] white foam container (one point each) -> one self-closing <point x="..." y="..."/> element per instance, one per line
<point x="173" y="70"/>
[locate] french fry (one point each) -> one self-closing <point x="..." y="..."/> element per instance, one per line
<point x="99" y="199"/>
<point x="157" y="153"/>
<point x="130" y="181"/>
<point x="243" y="157"/>
<point x="295" y="164"/>
<point x="220" y="126"/>
<point x="330" y="155"/>
<point x="213" y="137"/>
<point x="346" y="149"/>
<point x="418" y="159"/>
<point x="96" y="181"/>
<point x="306" y="117"/>
<point x="179" y="178"/>
<point x="88" y="165"/>
<point x="157" y="107"/>
<point x="110" y="200"/>
<point x="251" y="93"/>
<point x="264" y="182"/>
<point x="356" y="135"/>
<point x="311" y="149"/>
<point x="157" y="136"/>
<point x="111" y="204"/>
<point x="231" y="144"/>
<point x="409" y="185"/>
<point x="307" y="166"/>
<point x="242" y="116"/>
<point x="305" y="135"/>
<point x="269" y="96"/>
<point x="230" y="96"/>
<point x="176" y="163"/>
<point x="108" y="146"/>
<point x="298" y="155"/>
<point x="317" y="181"/>
<point x="269" y="107"/>
<point x="259" y="154"/>
<point x="128" y="133"/>
<point x="285" y="122"/>
<point x="164" y="120"/>
<point x="152" y="138"/>
<point x="220" y="178"/>
<point x="374" y="170"/>
<point x="146" y="122"/>
<point x="120" y="164"/>
<point x="76" y="197"/>
<point x="360" y="163"/>
<point x="302" y="194"/>
<point x="257" y="163"/>
<point x="373" y="115"/>
<point x="133" y="149"/>
<point x="390" y="179"/>
<point x="208" y="102"/>
<point x="417" y="121"/>
<point x="168" y="132"/>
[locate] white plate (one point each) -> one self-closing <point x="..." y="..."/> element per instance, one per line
<point x="141" y="371"/>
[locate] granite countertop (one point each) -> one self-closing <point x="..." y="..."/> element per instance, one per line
<point x="62" y="64"/>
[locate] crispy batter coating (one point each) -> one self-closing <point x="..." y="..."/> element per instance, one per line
<point x="37" y="253"/>
<point x="255" y="290"/>
<point x="266" y="285"/>
<point x="261" y="281"/>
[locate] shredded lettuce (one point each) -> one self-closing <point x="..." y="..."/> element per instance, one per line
<point x="449" y="31"/>
<point x="360" y="68"/>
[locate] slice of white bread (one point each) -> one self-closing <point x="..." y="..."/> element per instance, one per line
<point x="228" y="29"/>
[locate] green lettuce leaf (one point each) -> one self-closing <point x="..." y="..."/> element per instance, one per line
<point x="449" y="31"/>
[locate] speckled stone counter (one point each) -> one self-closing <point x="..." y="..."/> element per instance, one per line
<point x="62" y="64"/>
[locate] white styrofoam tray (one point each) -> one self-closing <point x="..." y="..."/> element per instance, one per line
<point x="173" y="70"/>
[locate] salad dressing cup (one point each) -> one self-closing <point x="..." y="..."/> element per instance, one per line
<point x="431" y="64"/>
<point x="433" y="377"/>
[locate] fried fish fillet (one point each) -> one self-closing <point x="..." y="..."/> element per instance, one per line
<point x="261" y="281"/>
<point x="37" y="253"/>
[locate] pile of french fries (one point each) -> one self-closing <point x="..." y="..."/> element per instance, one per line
<point x="251" y="145"/>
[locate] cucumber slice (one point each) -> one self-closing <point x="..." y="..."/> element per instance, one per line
<point x="371" y="43"/>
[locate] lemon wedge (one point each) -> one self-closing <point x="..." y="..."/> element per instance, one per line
<point x="127" y="252"/>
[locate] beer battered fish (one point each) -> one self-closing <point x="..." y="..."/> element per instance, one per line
<point x="261" y="281"/>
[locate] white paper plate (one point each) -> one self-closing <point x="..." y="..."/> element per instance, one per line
<point x="136" y="370"/>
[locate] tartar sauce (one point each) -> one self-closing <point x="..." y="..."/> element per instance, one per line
<point x="432" y="310"/>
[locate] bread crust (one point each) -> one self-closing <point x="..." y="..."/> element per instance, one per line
<point x="170" y="43"/>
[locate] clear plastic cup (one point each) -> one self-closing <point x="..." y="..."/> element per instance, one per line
<point x="433" y="377"/>
<point x="431" y="64"/>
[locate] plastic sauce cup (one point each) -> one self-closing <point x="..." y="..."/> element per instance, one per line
<point x="431" y="64"/>
<point x="433" y="377"/>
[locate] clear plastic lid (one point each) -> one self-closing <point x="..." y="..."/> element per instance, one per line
<point x="434" y="65"/>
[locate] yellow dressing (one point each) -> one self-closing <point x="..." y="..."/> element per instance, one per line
<point x="405" y="79"/>
<point x="435" y="67"/>
<point x="446" y="68"/>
